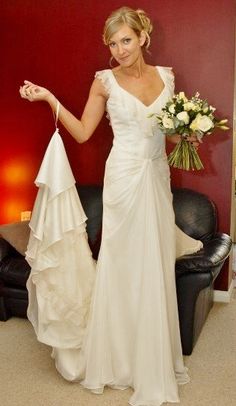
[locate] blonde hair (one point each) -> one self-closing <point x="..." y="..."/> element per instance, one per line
<point x="135" y="19"/>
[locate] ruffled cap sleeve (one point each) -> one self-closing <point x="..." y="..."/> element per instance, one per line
<point x="170" y="77"/>
<point x="104" y="76"/>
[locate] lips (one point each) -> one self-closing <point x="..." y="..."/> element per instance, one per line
<point x="124" y="58"/>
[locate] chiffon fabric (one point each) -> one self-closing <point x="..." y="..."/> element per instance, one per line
<point x="62" y="268"/>
<point x="130" y="335"/>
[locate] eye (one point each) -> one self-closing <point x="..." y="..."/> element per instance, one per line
<point x="112" y="44"/>
<point x="126" y="40"/>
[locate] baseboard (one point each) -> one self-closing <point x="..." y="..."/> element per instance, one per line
<point x="223" y="296"/>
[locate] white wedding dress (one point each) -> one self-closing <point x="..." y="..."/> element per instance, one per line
<point x="132" y="335"/>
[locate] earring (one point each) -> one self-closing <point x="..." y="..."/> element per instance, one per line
<point x="110" y="62"/>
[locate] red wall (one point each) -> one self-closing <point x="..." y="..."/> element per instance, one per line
<point x="58" y="44"/>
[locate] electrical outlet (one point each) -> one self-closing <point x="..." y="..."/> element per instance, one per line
<point x="25" y="215"/>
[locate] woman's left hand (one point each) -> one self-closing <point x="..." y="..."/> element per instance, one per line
<point x="194" y="140"/>
<point x="176" y="138"/>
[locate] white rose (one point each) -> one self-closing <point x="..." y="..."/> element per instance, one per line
<point x="201" y="123"/>
<point x="188" y="106"/>
<point x="183" y="116"/>
<point x="168" y="122"/>
<point x="196" y="107"/>
<point x="194" y="124"/>
<point x="172" y="109"/>
<point x="182" y="95"/>
<point x="205" y="124"/>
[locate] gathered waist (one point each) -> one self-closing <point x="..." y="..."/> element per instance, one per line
<point x="127" y="166"/>
<point x="121" y="153"/>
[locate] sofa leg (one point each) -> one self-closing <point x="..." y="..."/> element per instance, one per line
<point x="4" y="314"/>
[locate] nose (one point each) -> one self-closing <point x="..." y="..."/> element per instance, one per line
<point x="120" y="49"/>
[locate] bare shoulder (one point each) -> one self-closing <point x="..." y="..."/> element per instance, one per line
<point x="98" y="89"/>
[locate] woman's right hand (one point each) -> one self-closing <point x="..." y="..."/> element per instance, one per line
<point x="32" y="92"/>
<point x="81" y="130"/>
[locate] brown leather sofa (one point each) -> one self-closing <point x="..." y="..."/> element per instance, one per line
<point x="195" y="274"/>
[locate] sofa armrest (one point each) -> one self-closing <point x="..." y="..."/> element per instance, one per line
<point x="211" y="256"/>
<point x="14" y="270"/>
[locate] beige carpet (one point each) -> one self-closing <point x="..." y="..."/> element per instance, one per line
<point x="28" y="376"/>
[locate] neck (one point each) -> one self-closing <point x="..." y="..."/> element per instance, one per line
<point x="136" y="70"/>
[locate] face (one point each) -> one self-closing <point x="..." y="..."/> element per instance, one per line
<point x="125" y="46"/>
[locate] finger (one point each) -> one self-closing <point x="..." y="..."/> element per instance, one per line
<point x="195" y="138"/>
<point x="33" y="92"/>
<point x="30" y="98"/>
<point x="22" y="92"/>
<point x="192" y="138"/>
<point x="195" y="144"/>
<point x="25" y="94"/>
<point x="28" y="89"/>
<point x="25" y="89"/>
<point x="27" y="82"/>
<point x="31" y="89"/>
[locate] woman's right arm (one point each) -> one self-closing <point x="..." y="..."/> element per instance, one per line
<point x="81" y="130"/>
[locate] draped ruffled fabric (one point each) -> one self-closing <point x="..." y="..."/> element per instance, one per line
<point x="62" y="269"/>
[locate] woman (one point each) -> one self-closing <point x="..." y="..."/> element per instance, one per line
<point x="132" y="337"/>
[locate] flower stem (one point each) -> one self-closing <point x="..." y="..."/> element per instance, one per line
<point x="184" y="156"/>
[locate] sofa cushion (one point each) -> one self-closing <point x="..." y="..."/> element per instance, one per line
<point x="17" y="234"/>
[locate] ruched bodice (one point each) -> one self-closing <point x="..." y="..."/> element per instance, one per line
<point x="134" y="131"/>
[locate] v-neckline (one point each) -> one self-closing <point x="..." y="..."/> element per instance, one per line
<point x="135" y="97"/>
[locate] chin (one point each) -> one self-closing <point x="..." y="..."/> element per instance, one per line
<point x="124" y="61"/>
<point x="128" y="63"/>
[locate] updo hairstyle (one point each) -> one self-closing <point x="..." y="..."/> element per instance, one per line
<point x="135" y="19"/>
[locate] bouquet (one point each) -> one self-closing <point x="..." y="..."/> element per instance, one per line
<point x="185" y="117"/>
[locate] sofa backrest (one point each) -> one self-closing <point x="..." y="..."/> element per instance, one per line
<point x="195" y="213"/>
